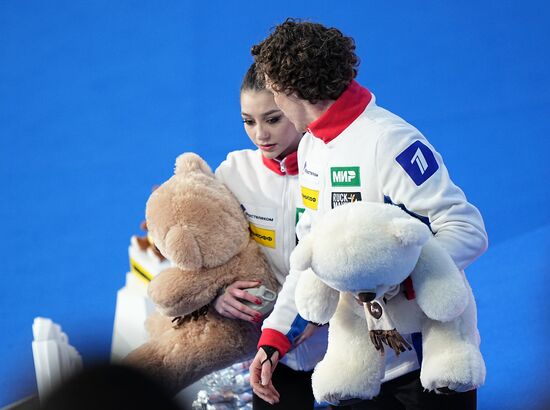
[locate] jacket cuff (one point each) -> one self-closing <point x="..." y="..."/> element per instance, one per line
<point x="276" y="339"/>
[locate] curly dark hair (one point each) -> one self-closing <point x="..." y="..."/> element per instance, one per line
<point x="313" y="61"/>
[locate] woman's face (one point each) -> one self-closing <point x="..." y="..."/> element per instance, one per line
<point x="267" y="126"/>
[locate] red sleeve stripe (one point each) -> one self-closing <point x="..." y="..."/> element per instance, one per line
<point x="279" y="341"/>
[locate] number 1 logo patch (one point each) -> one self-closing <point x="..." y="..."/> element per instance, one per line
<point x="418" y="161"/>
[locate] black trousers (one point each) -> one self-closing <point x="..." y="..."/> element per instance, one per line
<point x="294" y="388"/>
<point x="406" y="393"/>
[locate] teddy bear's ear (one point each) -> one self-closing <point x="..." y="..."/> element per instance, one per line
<point x="410" y="231"/>
<point x="189" y="162"/>
<point x="186" y="253"/>
<point x="300" y="258"/>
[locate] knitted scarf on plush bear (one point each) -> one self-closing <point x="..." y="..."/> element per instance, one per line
<point x="178" y="321"/>
<point x="382" y="331"/>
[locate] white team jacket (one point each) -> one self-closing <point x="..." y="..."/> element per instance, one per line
<point x="269" y="194"/>
<point x="359" y="151"/>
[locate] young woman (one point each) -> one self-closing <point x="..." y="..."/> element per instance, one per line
<point x="265" y="182"/>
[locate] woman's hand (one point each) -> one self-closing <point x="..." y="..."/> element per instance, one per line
<point x="229" y="303"/>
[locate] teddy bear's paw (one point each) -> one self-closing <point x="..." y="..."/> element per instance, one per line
<point x="459" y="370"/>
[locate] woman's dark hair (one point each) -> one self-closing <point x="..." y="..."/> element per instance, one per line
<point x="314" y="61"/>
<point x="252" y="81"/>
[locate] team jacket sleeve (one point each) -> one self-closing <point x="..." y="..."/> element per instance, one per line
<point x="413" y="176"/>
<point x="222" y="170"/>
<point x="284" y="324"/>
<point x="228" y="173"/>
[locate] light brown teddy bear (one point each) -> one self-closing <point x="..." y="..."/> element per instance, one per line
<point x="197" y="223"/>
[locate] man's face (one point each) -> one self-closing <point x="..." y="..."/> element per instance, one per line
<point x="292" y="106"/>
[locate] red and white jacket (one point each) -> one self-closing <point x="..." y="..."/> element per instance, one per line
<point x="269" y="193"/>
<point x="359" y="151"/>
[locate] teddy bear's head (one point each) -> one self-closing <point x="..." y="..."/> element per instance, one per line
<point x="194" y="219"/>
<point x="362" y="247"/>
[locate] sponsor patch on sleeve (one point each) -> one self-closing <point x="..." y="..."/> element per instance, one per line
<point x="310" y="198"/>
<point x="345" y="176"/>
<point x="265" y="237"/>
<point x="418" y="161"/>
<point x="341" y="198"/>
<point x="260" y="215"/>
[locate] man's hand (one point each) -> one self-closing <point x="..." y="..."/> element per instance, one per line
<point x="261" y="370"/>
<point x="229" y="305"/>
<point x="306" y="334"/>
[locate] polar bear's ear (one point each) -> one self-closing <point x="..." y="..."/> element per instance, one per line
<point x="189" y="162"/>
<point x="300" y="258"/>
<point x="410" y="231"/>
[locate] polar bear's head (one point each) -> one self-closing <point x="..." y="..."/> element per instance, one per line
<point x="362" y="247"/>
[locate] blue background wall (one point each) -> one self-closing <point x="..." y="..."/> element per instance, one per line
<point x="98" y="98"/>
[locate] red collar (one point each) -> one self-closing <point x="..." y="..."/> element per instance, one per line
<point x="341" y="113"/>
<point x="288" y="166"/>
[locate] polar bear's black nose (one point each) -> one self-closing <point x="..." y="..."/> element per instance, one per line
<point x="366" y="296"/>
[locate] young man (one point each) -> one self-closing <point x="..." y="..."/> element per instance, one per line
<point x="355" y="150"/>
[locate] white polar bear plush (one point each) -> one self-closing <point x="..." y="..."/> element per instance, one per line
<point x="363" y="252"/>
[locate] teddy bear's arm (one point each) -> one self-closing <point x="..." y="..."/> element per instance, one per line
<point x="438" y="284"/>
<point x="176" y="292"/>
<point x="315" y="300"/>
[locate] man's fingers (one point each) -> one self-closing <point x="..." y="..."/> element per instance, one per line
<point x="309" y="330"/>
<point x="269" y="363"/>
<point x="260" y="376"/>
<point x="273" y="392"/>
<point x="267" y="371"/>
<point x="256" y="367"/>
<point x="267" y="393"/>
<point x="299" y="340"/>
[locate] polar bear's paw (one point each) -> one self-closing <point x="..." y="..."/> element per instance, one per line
<point x="456" y="370"/>
<point x="337" y="399"/>
<point x="337" y="385"/>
